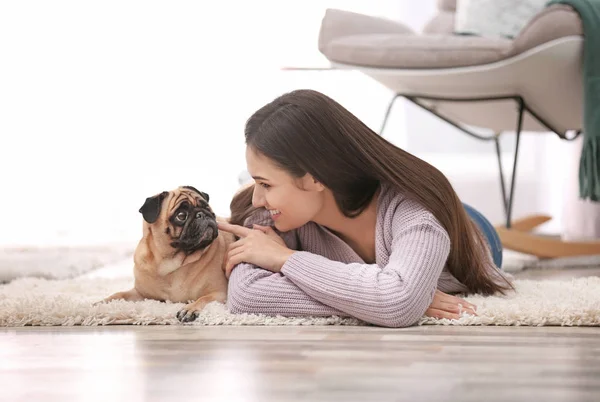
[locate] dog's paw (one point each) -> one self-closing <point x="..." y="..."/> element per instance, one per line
<point x="188" y="313"/>
<point x="192" y="310"/>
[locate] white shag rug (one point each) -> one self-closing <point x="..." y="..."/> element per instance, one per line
<point x="59" y="262"/>
<point x="43" y="302"/>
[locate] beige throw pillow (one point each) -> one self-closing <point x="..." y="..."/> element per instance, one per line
<point x="495" y="18"/>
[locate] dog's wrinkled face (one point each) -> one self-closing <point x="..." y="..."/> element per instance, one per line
<point x="180" y="220"/>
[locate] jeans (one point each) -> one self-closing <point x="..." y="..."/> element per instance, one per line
<point x="489" y="232"/>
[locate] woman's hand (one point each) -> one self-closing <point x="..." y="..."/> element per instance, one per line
<point x="260" y="246"/>
<point x="448" y="306"/>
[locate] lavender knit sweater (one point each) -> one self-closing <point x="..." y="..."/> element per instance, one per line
<point x="326" y="277"/>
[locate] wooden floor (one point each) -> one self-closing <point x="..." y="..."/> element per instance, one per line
<point x="430" y="363"/>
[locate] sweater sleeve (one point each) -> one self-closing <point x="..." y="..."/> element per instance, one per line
<point x="396" y="295"/>
<point x="256" y="290"/>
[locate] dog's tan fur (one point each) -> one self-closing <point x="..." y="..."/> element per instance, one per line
<point x="163" y="272"/>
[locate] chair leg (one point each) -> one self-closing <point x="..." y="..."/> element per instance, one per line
<point x="514" y="234"/>
<point x="387" y="113"/>
<point x="508" y="199"/>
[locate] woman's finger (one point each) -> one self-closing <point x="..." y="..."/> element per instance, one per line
<point x="456" y="300"/>
<point x="264" y="229"/>
<point x="451" y="307"/>
<point x="237" y="230"/>
<point x="271" y="234"/>
<point x="437" y="313"/>
<point x="234" y="252"/>
<point x="233" y="262"/>
<point x="268" y="231"/>
<point x="465" y="303"/>
<point x="455" y="308"/>
<point x="236" y="244"/>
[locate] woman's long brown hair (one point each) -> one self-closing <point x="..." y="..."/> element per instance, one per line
<point x="305" y="131"/>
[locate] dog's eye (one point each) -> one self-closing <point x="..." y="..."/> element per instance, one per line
<point x="182" y="216"/>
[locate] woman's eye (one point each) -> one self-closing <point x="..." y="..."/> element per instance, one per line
<point x="264" y="185"/>
<point x="182" y="216"/>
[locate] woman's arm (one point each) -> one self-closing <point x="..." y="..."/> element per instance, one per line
<point x="395" y="296"/>
<point x="256" y="290"/>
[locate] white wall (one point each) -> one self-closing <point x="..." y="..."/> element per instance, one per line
<point x="103" y="104"/>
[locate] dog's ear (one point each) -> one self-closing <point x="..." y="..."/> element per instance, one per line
<point x="202" y="193"/>
<point x="151" y="208"/>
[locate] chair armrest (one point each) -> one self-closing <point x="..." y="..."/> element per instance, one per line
<point x="340" y="23"/>
<point x="554" y="22"/>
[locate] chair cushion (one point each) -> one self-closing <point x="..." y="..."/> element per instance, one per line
<point x="363" y="40"/>
<point x="556" y="21"/>
<point x="415" y="51"/>
<point x="340" y="23"/>
<point x="493" y="18"/>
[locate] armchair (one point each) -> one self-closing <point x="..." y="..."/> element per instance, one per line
<point x="531" y="83"/>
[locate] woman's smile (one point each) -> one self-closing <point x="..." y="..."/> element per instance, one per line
<point x="275" y="213"/>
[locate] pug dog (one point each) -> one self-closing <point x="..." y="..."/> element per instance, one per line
<point x="181" y="254"/>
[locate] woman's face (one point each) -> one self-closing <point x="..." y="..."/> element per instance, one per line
<point x="292" y="202"/>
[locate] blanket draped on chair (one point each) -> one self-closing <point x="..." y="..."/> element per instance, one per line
<point x="589" y="164"/>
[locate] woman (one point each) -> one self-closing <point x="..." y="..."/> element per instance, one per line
<point x="362" y="228"/>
